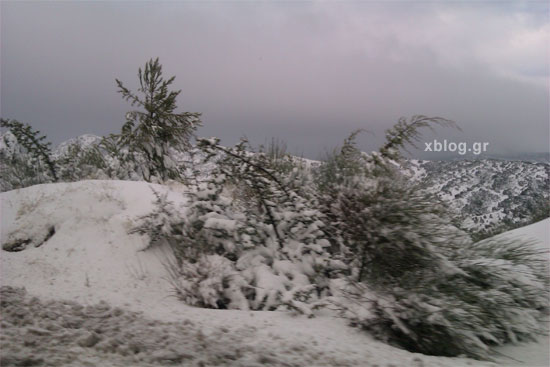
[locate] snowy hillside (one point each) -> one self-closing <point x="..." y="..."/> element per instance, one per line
<point x="489" y="194"/>
<point x="85" y="256"/>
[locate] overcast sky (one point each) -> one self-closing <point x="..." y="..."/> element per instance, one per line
<point x="306" y="72"/>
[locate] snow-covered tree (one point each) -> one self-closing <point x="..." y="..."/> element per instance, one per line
<point x="246" y="240"/>
<point x="264" y="233"/>
<point x="82" y="162"/>
<point x="151" y="131"/>
<point x="26" y="157"/>
<point x="415" y="279"/>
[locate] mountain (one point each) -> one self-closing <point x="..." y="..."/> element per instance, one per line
<point x="542" y="157"/>
<point x="490" y="195"/>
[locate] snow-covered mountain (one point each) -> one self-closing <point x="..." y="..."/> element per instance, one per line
<point x="489" y="194"/>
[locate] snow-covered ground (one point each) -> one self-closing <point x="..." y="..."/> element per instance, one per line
<point x="92" y="258"/>
<point x="539" y="232"/>
<point x="530" y="354"/>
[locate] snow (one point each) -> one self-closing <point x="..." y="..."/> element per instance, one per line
<point x="538" y="232"/>
<point x="91" y="257"/>
<point x="220" y="223"/>
<point x="538" y="353"/>
<point x="91" y="253"/>
<point x="84" y="141"/>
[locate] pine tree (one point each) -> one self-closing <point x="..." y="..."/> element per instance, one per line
<point x="260" y="233"/>
<point x="416" y="280"/>
<point x="154" y="130"/>
<point x="36" y="148"/>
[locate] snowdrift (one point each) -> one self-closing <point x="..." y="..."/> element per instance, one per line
<point x="72" y="243"/>
<point x="90" y="252"/>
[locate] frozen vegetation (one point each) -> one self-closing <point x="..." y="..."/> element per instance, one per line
<point x="142" y="249"/>
<point x="91" y="259"/>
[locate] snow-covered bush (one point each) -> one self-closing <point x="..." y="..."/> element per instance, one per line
<point x="211" y="281"/>
<point x="16" y="169"/>
<point x="27" y="160"/>
<point x="497" y="294"/>
<point x="261" y="234"/>
<point x="415" y="279"/>
<point x="161" y="225"/>
<point x="288" y="230"/>
<point x="25" y="157"/>
<point x="81" y="163"/>
<point x="270" y="239"/>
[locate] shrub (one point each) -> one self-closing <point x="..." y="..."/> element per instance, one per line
<point x="263" y="235"/>
<point x="26" y="157"/>
<point x="483" y="304"/>
<point x="415" y="279"/>
<point x="270" y="239"/>
<point x="80" y="163"/>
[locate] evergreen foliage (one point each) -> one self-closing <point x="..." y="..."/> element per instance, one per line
<point x="153" y="130"/>
<point x="405" y="133"/>
<point x="265" y="232"/>
<point x="80" y="163"/>
<point x="415" y="279"/>
<point x="264" y="238"/>
<point x="27" y="159"/>
<point x="497" y="292"/>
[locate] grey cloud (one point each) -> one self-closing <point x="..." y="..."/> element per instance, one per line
<point x="306" y="72"/>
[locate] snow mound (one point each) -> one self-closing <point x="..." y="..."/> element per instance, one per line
<point x="76" y="238"/>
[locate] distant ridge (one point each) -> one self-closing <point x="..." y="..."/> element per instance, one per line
<point x="489" y="195"/>
<point x="537" y="157"/>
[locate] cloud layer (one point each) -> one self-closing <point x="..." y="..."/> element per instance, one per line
<point x="306" y="72"/>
